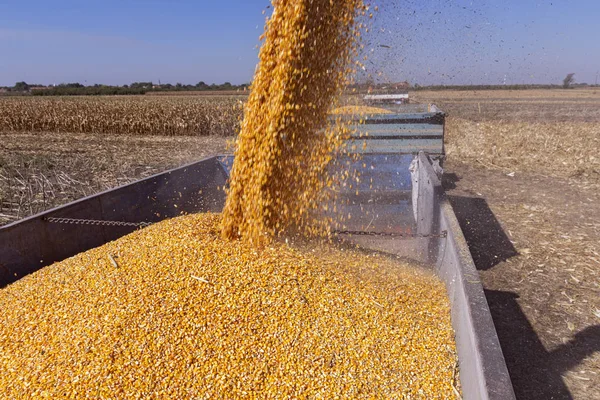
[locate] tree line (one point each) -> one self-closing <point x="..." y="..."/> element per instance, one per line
<point x="135" y="88"/>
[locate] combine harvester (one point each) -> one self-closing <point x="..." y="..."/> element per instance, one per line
<point x="399" y="207"/>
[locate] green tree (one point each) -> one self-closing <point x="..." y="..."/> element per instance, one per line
<point x="21" y="87"/>
<point x="569" y="80"/>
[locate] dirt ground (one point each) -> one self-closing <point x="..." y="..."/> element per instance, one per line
<point x="536" y="243"/>
<point x="540" y="105"/>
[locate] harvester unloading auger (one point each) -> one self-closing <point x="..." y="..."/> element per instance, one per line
<point x="399" y="207"/>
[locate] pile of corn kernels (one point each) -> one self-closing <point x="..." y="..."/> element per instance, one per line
<point x="175" y="311"/>
<point x="360" y="110"/>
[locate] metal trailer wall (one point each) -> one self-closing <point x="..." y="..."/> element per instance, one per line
<point x="402" y="132"/>
<point x="483" y="371"/>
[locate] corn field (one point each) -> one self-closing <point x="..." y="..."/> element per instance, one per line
<point x="131" y="115"/>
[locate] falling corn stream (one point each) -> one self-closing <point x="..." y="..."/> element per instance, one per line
<point x="285" y="145"/>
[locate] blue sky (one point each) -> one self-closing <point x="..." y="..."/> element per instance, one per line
<point x="429" y="41"/>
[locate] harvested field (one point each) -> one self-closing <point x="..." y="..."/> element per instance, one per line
<point x="43" y="170"/>
<point x="127" y="115"/>
<point x="573" y="105"/>
<point x="548" y="132"/>
<point x="561" y="149"/>
<point x="174" y="311"/>
<point x="205" y="93"/>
